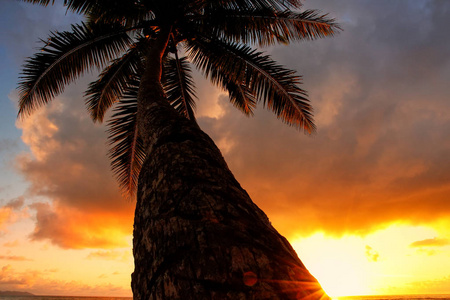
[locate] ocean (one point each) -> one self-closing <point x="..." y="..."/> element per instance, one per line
<point x="61" y="298"/>
<point x="396" y="297"/>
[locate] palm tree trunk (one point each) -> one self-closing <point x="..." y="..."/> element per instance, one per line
<point x="197" y="233"/>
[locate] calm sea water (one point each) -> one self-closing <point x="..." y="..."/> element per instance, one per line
<point x="406" y="297"/>
<point x="61" y="297"/>
<point x="397" y="297"/>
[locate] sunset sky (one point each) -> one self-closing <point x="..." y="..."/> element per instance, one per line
<point x="365" y="201"/>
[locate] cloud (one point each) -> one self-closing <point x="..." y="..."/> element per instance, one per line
<point x="435" y="286"/>
<point x="14" y="258"/>
<point x="41" y="283"/>
<point x="434" y="242"/>
<point x="371" y="254"/>
<point x="8" y="277"/>
<point x="430" y="246"/>
<point x="380" y="155"/>
<point x="71" y="228"/>
<point x="15" y="204"/>
<point x="124" y="256"/>
<point x="67" y="165"/>
<point x="11" y="212"/>
<point x="52" y="270"/>
<point x="11" y="244"/>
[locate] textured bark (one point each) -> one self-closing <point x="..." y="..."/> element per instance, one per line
<point x="197" y="233"/>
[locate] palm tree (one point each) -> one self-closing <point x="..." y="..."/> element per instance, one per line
<point x="197" y="233"/>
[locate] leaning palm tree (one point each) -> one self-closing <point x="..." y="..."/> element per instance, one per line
<point x="197" y="233"/>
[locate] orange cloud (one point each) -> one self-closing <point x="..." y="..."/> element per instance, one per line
<point x="111" y="255"/>
<point x="14" y="258"/>
<point x="71" y="228"/>
<point x="434" y="242"/>
<point x="380" y="155"/>
<point x="374" y="175"/>
<point x="11" y="244"/>
<point x="37" y="132"/>
<point x="69" y="167"/>
<point x="11" y="212"/>
<point x="8" y="277"/>
<point x="340" y="182"/>
<point x="41" y="283"/>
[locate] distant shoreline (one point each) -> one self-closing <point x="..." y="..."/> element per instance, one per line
<point x="15" y="293"/>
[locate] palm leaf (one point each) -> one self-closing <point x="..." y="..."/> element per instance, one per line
<point x="239" y="93"/>
<point x="80" y="6"/>
<point x="129" y="13"/>
<point x="112" y="83"/>
<point x="229" y="76"/>
<point x="179" y="85"/>
<point x="277" y="87"/>
<point x="40" y="2"/>
<point x="65" y="57"/>
<point x="89" y="6"/>
<point x="126" y="147"/>
<point x="267" y="26"/>
<point x="255" y="4"/>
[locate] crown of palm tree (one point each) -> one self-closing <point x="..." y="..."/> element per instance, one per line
<point x="216" y="36"/>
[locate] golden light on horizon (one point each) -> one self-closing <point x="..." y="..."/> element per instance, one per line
<point x="383" y="262"/>
<point x="335" y="263"/>
<point x="342" y="279"/>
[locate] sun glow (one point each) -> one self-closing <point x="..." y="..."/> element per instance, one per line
<point x="340" y="268"/>
<point x="341" y="279"/>
<point x="387" y="261"/>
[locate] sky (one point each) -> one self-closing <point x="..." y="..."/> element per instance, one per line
<point x="365" y="201"/>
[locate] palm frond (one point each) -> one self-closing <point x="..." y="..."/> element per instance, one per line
<point x="65" y="56"/>
<point x="255" y="4"/>
<point x="112" y="83"/>
<point x="80" y="6"/>
<point x="230" y="77"/>
<point x="179" y="85"/>
<point x="267" y="26"/>
<point x="239" y="93"/>
<point x="40" y="2"/>
<point x="277" y="87"/>
<point x="89" y="6"/>
<point x="129" y="13"/>
<point x="126" y="146"/>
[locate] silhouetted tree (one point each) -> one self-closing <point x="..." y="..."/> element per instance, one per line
<point x="197" y="234"/>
